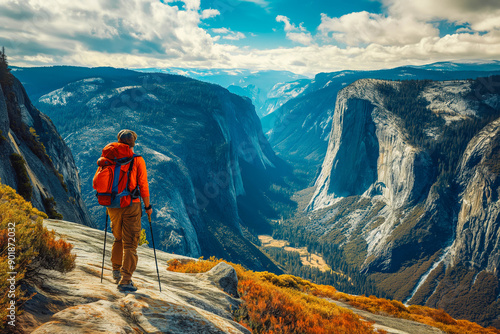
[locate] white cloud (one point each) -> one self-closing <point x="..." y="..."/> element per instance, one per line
<point x="329" y="58"/>
<point x="66" y="29"/>
<point x="228" y="34"/>
<point x="209" y="13"/>
<point x="481" y="15"/>
<point x="300" y="37"/>
<point x="364" y="28"/>
<point x="221" y="30"/>
<point x="296" y="34"/>
<point x="234" y="36"/>
<point x="286" y="21"/>
<point x="262" y="3"/>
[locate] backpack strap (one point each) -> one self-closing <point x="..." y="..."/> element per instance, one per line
<point x="128" y="172"/>
<point x="126" y="191"/>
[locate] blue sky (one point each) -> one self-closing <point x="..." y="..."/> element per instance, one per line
<point x="304" y="37"/>
<point x="257" y="20"/>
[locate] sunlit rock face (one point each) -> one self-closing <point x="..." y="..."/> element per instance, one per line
<point x="368" y="153"/>
<point x="477" y="231"/>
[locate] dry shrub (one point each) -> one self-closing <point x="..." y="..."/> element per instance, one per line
<point x="191" y="267"/>
<point x="35" y="247"/>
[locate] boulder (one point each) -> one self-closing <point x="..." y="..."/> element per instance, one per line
<point x="224" y="277"/>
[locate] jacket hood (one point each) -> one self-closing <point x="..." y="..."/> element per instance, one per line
<point x="117" y="151"/>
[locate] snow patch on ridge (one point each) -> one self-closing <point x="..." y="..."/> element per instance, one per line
<point x="56" y="97"/>
<point x="122" y="89"/>
<point x="446" y="99"/>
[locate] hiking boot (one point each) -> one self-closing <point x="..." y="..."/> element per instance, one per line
<point x="117" y="276"/>
<point x="127" y="287"/>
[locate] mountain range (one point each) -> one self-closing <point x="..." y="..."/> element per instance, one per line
<point x="262" y="87"/>
<point x="299" y="130"/>
<point x="266" y="89"/>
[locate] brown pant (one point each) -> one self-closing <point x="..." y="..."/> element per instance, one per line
<point x="126" y="227"/>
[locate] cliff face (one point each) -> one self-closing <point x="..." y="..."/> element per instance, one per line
<point x="51" y="172"/>
<point x="478" y="177"/>
<point x="368" y="154"/>
<point x="195" y="138"/>
<point x="419" y="160"/>
<point x="369" y="157"/>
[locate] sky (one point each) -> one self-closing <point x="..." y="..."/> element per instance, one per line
<point x="304" y="37"/>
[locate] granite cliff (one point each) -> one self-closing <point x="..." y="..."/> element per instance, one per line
<point x="35" y="160"/>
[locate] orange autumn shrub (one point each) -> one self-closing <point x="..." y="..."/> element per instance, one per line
<point x="28" y="245"/>
<point x="374" y="305"/>
<point x="191" y="267"/>
<point x="272" y="309"/>
<point x="287" y="281"/>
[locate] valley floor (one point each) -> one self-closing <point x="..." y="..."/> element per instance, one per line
<point x="307" y="259"/>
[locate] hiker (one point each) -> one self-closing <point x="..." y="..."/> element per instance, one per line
<point x="125" y="212"/>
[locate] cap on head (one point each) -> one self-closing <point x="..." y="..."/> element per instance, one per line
<point x="127" y="137"/>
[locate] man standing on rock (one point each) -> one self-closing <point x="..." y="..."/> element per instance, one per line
<point x="126" y="221"/>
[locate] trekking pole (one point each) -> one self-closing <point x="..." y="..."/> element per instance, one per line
<point x="104" y="250"/>
<point x="154" y="249"/>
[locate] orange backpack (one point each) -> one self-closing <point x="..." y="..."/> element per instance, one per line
<point x="112" y="177"/>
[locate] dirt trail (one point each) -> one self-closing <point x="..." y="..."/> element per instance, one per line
<point x="391" y="325"/>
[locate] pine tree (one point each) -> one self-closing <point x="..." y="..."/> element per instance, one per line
<point x="5" y="76"/>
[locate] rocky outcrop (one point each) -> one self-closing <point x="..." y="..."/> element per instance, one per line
<point x="368" y="154"/>
<point x="77" y="302"/>
<point x="224" y="276"/>
<point x="51" y="172"/>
